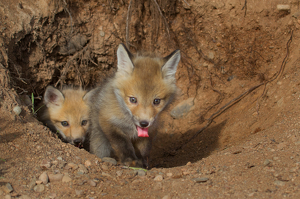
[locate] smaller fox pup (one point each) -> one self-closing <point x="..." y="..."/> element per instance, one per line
<point x="126" y="109"/>
<point x="67" y="113"/>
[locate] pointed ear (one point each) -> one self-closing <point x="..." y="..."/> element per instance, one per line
<point x="87" y="97"/>
<point x="53" y="96"/>
<point x="170" y="67"/>
<point x="125" y="64"/>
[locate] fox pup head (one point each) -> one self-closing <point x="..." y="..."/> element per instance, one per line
<point x="67" y="113"/>
<point x="145" y="85"/>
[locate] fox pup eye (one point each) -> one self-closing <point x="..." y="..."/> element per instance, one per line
<point x="83" y="122"/>
<point x="156" y="101"/>
<point x="64" y="123"/>
<point x="133" y="100"/>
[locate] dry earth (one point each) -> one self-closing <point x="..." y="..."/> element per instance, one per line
<point x="249" y="149"/>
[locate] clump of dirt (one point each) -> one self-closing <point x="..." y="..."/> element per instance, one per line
<point x="228" y="48"/>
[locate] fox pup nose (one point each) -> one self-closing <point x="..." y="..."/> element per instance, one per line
<point x="144" y="124"/>
<point x="78" y="141"/>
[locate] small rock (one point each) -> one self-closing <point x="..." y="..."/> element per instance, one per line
<point x="267" y="162"/>
<point x="59" y="158"/>
<point x="211" y="55"/>
<point x="52" y="195"/>
<point x="55" y="177"/>
<point x="293" y="170"/>
<point x="183" y="108"/>
<point x="39" y="188"/>
<point x="166" y="197"/>
<point x="106" y="175"/>
<point x="7" y="188"/>
<point x="279" y="183"/>
<point x="62" y="164"/>
<point x="38" y="182"/>
<point x="109" y="160"/>
<point x="158" y="178"/>
<point x="24" y="197"/>
<point x="72" y="165"/>
<point x="119" y="173"/>
<point x="32" y="183"/>
<point x="141" y="173"/>
<point x="169" y="174"/>
<point x="281" y="145"/>
<point x="82" y="169"/>
<point x="200" y="180"/>
<point x="102" y="33"/>
<point x="44" y="178"/>
<point x="78" y="192"/>
<point x="7" y="197"/>
<point x="188" y="164"/>
<point x="66" y="178"/>
<point x="281" y="7"/>
<point x="45" y="164"/>
<point x="17" y="110"/>
<point x="92" y="183"/>
<point x="87" y="163"/>
<point x="104" y="167"/>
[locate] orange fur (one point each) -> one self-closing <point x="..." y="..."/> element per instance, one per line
<point x="124" y="107"/>
<point x="68" y="105"/>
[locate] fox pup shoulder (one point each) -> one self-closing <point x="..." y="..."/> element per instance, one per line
<point x="66" y="111"/>
<point x="125" y="113"/>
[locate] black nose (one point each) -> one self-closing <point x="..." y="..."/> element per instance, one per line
<point x="78" y="141"/>
<point x="144" y="124"/>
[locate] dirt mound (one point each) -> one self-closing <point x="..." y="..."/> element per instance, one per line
<point x="239" y="83"/>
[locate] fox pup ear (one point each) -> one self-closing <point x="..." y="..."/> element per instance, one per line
<point x="88" y="95"/>
<point x="53" y="96"/>
<point x="170" y="67"/>
<point x="125" y="64"/>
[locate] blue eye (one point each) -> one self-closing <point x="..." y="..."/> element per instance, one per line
<point x="156" y="101"/>
<point x="133" y="100"/>
<point x="64" y="123"/>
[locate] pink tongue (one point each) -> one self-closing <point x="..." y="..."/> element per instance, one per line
<point x="142" y="132"/>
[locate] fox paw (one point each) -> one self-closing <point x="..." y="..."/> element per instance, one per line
<point x="134" y="163"/>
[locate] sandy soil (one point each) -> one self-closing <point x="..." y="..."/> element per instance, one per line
<point x="250" y="147"/>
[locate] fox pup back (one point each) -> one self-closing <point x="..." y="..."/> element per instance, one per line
<point x="126" y="109"/>
<point x="66" y="112"/>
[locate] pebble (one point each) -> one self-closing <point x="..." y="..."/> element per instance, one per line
<point x="55" y="177"/>
<point x="7" y="188"/>
<point x="45" y="164"/>
<point x="182" y="108"/>
<point x="109" y="160"/>
<point x="17" y="110"/>
<point x="92" y="183"/>
<point x="7" y="197"/>
<point x="39" y="188"/>
<point x="158" y="178"/>
<point x="166" y="197"/>
<point x="32" y="183"/>
<point x="44" y="178"/>
<point x="169" y="174"/>
<point x="87" y="163"/>
<point x="188" y="164"/>
<point x="66" y="178"/>
<point x="72" y="165"/>
<point x="279" y="183"/>
<point x="283" y="7"/>
<point x="52" y="195"/>
<point x="78" y="192"/>
<point x="104" y="167"/>
<point x="200" y="180"/>
<point x="141" y="173"/>
<point x="24" y="197"/>
<point x="119" y="173"/>
<point x="82" y="169"/>
<point x="267" y="162"/>
<point x="59" y="158"/>
<point x="38" y="182"/>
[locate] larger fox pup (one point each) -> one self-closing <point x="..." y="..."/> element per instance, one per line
<point x="67" y="113"/>
<point x="126" y="109"/>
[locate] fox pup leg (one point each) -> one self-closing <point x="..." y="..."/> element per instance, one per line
<point x="142" y="148"/>
<point x="99" y="144"/>
<point x="124" y="150"/>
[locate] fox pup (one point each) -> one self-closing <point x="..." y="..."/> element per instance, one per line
<point x="66" y="112"/>
<point x="126" y="109"/>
